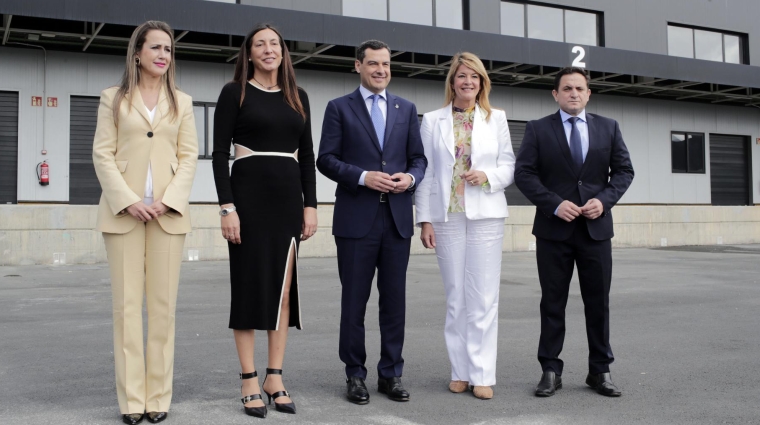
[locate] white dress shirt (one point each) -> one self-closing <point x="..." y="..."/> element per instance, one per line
<point x="148" y="196"/>
<point x="582" y="129"/>
<point x="382" y="103"/>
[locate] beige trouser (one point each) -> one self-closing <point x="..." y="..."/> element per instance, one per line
<point x="144" y="262"/>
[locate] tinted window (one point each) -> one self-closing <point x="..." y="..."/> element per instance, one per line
<point x="680" y="42"/>
<point x="678" y="152"/>
<point x="687" y="152"/>
<point x="448" y="14"/>
<point x="708" y="45"/>
<point x="545" y="23"/>
<point x="580" y="28"/>
<point x="513" y="19"/>
<point x="412" y="11"/>
<point x="371" y="9"/>
<point x="696" y="153"/>
<point x="200" y="128"/>
<point x="731" y="44"/>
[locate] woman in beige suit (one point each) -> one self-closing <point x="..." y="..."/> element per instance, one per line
<point x="145" y="152"/>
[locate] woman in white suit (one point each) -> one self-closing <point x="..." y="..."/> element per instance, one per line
<point x="461" y="208"/>
<point x="145" y="152"/>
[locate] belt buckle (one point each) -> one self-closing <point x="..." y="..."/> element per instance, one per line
<point x="383" y="197"/>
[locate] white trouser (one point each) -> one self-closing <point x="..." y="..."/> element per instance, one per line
<point x="469" y="255"/>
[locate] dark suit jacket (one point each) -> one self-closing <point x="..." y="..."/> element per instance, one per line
<point x="545" y="174"/>
<point x="349" y="146"/>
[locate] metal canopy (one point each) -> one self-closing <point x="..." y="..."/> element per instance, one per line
<point x="324" y="53"/>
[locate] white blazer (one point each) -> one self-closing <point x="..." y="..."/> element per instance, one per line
<point x="491" y="153"/>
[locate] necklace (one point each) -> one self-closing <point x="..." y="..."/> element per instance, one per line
<point x="262" y="85"/>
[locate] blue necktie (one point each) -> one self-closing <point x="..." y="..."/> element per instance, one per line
<point x="576" y="148"/>
<point x="377" y="120"/>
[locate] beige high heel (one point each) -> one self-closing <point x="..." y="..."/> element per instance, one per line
<point x="458" y="386"/>
<point x="483" y="393"/>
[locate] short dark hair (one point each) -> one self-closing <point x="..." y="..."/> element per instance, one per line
<point x="370" y="44"/>
<point x="567" y="71"/>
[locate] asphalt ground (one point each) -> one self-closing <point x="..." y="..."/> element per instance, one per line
<point x="684" y="329"/>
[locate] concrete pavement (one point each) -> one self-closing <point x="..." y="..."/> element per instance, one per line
<point x="684" y="326"/>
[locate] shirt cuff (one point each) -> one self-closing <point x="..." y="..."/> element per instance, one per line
<point x="556" y="209"/>
<point x="361" y="178"/>
<point x="413" y="181"/>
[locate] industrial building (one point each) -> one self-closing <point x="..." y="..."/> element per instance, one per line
<point x="682" y="78"/>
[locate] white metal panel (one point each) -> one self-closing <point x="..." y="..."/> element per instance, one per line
<point x="658" y="136"/>
<point x="203" y="81"/>
<point x="21" y="71"/>
<point x="683" y="119"/>
<point x="685" y="188"/>
<point x="503" y="99"/>
<point x="635" y="131"/>
<point x="526" y="104"/>
<point x="728" y="121"/>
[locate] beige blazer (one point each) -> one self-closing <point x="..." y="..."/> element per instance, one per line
<point x="491" y="153"/>
<point x="121" y="156"/>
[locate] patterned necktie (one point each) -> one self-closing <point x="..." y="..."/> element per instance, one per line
<point x="378" y="121"/>
<point x="576" y="148"/>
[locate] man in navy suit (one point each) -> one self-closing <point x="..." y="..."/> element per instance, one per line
<point x="574" y="167"/>
<point x="371" y="147"/>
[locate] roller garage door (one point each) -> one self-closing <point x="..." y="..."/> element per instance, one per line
<point x="8" y="147"/>
<point x="729" y="170"/>
<point x="84" y="188"/>
<point x="516" y="133"/>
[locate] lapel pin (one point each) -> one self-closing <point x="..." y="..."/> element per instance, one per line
<point x="397" y="106"/>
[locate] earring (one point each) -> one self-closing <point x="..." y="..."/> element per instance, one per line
<point x="137" y="61"/>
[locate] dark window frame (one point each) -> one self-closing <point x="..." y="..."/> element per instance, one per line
<point x="599" y="18"/>
<point x="466" y="15"/>
<point x="743" y="41"/>
<point x="209" y="138"/>
<point x="688" y="170"/>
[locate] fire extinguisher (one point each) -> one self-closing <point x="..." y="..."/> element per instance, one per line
<point x="43" y="173"/>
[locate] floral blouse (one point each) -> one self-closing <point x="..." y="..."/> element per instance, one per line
<point x="463" y="119"/>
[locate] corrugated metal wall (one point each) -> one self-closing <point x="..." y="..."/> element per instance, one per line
<point x="8" y="146"/>
<point x="729" y="170"/>
<point x="646" y="124"/>
<point x="84" y="188"/>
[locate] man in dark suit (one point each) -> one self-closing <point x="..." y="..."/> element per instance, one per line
<point x="574" y="167"/>
<point x="371" y="147"/>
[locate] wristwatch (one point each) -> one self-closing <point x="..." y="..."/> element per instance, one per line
<point x="226" y="211"/>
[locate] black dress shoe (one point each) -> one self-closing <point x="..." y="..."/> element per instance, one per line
<point x="257" y="412"/>
<point x="156" y="417"/>
<point x="550" y="382"/>
<point x="356" y="391"/>
<point x="602" y="383"/>
<point x="392" y="387"/>
<point x="132" y="418"/>
<point x="280" y="407"/>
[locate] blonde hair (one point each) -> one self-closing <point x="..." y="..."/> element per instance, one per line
<point x="474" y="63"/>
<point x="131" y="77"/>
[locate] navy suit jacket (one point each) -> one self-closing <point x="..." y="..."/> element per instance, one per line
<point x="349" y="146"/>
<point x="545" y="174"/>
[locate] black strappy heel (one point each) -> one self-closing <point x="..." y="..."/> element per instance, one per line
<point x="280" y="407"/>
<point x="259" y="412"/>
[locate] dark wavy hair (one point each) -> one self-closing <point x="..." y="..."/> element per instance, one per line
<point x="567" y="71"/>
<point x="286" y="75"/>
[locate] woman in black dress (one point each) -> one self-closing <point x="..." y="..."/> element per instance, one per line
<point x="268" y="202"/>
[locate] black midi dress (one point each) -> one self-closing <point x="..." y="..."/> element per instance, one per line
<point x="269" y="184"/>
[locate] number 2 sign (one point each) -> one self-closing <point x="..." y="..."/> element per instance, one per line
<point x="579" y="53"/>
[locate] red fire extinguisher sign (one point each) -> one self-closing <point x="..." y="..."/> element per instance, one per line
<point x="43" y="173"/>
